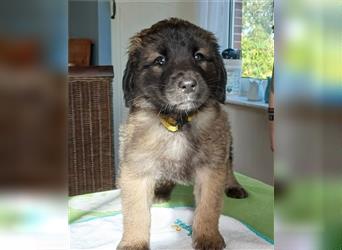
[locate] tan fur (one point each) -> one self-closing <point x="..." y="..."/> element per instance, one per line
<point x="208" y="195"/>
<point x="150" y="153"/>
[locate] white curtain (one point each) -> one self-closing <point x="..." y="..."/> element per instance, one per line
<point x="214" y="16"/>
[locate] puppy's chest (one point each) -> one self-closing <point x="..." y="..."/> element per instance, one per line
<point x="175" y="159"/>
<point x="175" y="147"/>
<point x="169" y="153"/>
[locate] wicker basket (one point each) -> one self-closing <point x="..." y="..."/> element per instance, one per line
<point x="90" y="130"/>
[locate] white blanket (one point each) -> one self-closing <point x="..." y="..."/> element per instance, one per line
<point x="101" y="227"/>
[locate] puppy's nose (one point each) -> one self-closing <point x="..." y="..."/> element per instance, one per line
<point x="188" y="86"/>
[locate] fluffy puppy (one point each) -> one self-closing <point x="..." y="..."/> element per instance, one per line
<point x="176" y="131"/>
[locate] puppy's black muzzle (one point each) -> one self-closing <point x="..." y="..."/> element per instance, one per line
<point x="188" y="86"/>
<point x="186" y="82"/>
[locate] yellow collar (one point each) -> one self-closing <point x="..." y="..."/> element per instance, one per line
<point x="174" y="125"/>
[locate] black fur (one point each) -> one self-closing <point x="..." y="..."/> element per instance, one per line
<point x="178" y="41"/>
<point x="128" y="83"/>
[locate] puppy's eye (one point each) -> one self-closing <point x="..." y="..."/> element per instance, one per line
<point x="160" y="60"/>
<point x="198" y="56"/>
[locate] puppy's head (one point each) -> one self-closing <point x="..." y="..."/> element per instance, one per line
<point x="175" y="67"/>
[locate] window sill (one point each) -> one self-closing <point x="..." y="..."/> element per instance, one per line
<point x="243" y="101"/>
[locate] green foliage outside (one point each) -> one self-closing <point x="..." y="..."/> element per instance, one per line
<point x="257" y="38"/>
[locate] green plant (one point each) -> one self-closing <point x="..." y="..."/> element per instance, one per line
<point x="257" y="38"/>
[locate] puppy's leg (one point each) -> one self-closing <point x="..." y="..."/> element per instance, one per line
<point x="209" y="187"/>
<point x="137" y="195"/>
<point x="233" y="188"/>
<point x="163" y="190"/>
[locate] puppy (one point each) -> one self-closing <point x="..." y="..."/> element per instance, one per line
<point x="176" y="130"/>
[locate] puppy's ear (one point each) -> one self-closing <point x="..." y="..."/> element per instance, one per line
<point x="128" y="82"/>
<point x="220" y="93"/>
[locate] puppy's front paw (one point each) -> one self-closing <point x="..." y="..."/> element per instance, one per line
<point x="208" y="242"/>
<point x="133" y="246"/>
<point x="236" y="192"/>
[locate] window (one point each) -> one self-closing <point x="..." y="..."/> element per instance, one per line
<point x="253" y="34"/>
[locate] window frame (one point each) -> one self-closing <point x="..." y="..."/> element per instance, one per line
<point x="231" y="23"/>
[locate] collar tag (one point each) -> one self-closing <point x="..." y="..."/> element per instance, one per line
<point x="174" y="125"/>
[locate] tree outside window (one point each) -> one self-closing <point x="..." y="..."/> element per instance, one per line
<point x="257" y="40"/>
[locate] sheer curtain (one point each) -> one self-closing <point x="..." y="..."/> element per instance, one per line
<point x="214" y="16"/>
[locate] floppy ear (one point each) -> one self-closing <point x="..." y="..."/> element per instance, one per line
<point x="220" y="93"/>
<point x="128" y="82"/>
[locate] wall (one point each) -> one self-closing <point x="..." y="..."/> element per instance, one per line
<point x="83" y="23"/>
<point x="91" y="19"/>
<point x="237" y="24"/>
<point x="104" y="33"/>
<point x="251" y="144"/>
<point x="40" y="20"/>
